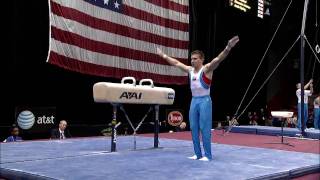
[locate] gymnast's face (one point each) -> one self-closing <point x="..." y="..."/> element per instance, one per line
<point x="196" y="60"/>
<point x="298" y="86"/>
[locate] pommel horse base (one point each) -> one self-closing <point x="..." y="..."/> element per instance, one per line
<point x="130" y="93"/>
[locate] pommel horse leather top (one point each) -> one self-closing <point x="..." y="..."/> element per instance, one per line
<point x="131" y="93"/>
<point x="282" y="114"/>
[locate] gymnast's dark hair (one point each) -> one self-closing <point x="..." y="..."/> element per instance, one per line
<point x="198" y="52"/>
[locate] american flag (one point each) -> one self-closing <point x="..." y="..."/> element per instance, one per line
<point x="118" y="38"/>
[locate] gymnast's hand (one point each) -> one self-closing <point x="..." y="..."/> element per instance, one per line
<point x="232" y="42"/>
<point x="159" y="52"/>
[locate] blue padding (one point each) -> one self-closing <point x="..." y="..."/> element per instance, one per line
<point x="275" y="131"/>
<point x="244" y="129"/>
<point x="313" y="134"/>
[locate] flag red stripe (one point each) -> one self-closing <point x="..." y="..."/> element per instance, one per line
<point x="104" y="48"/>
<point x="93" y="69"/>
<point x="170" y="5"/>
<point x="103" y="25"/>
<point x="143" y="15"/>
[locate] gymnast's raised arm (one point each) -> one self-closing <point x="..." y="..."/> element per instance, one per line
<point x="309" y="84"/>
<point x="211" y="66"/>
<point x="173" y="61"/>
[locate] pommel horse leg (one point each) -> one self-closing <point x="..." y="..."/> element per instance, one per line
<point x="156" y="126"/>
<point x="114" y="130"/>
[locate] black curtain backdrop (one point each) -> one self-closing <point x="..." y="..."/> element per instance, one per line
<point x="30" y="81"/>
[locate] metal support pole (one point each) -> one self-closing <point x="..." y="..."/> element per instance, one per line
<point x="114" y="130"/>
<point x="302" y="45"/>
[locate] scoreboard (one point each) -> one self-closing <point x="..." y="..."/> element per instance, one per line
<point x="259" y="8"/>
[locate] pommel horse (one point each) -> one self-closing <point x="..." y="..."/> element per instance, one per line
<point x="130" y="93"/>
<point x="282" y="115"/>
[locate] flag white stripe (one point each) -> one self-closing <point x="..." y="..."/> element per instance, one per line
<point x="111" y="38"/>
<point x="157" y="10"/>
<point x="124" y="20"/>
<point x="182" y="2"/>
<point x="87" y="56"/>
